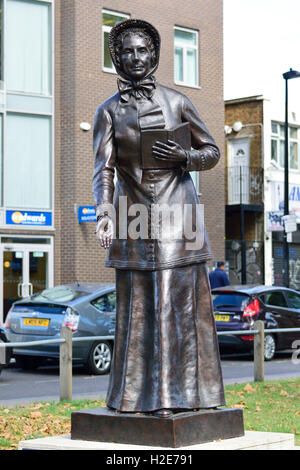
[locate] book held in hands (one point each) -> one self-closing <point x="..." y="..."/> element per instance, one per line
<point x="180" y="134"/>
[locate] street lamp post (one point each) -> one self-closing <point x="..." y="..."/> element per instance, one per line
<point x="287" y="76"/>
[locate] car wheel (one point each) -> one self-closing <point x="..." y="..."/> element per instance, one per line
<point x="27" y="363"/>
<point x="100" y="357"/>
<point x="270" y="347"/>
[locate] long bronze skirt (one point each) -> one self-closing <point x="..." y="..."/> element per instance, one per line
<point x="166" y="351"/>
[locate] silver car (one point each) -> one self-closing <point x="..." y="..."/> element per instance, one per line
<point x="88" y="309"/>
<point x="5" y="353"/>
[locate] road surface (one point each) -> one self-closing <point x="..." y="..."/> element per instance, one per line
<point x="19" y="387"/>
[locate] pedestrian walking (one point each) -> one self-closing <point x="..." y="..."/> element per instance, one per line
<point x="218" y="277"/>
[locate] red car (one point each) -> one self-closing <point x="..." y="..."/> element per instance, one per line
<point x="238" y="307"/>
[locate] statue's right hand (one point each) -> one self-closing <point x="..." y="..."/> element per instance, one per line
<point x="105" y="231"/>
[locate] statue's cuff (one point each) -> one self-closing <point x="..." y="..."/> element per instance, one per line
<point x="185" y="164"/>
<point x="196" y="161"/>
<point x="100" y="212"/>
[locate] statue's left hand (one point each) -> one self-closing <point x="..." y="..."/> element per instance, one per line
<point x="105" y="231"/>
<point x="170" y="151"/>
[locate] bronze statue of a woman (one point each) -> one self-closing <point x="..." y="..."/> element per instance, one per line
<point x="166" y="356"/>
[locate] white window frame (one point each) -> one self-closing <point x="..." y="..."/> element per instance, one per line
<point x="184" y="47"/>
<point x="278" y="138"/>
<point x="51" y="56"/>
<point x="4" y="109"/>
<point x="107" y="29"/>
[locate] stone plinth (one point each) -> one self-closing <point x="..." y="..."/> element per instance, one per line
<point x="179" y="430"/>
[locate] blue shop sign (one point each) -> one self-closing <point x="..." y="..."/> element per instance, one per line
<point x="86" y="214"/>
<point x="18" y="217"/>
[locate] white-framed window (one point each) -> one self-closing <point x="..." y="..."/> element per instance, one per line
<point x="26" y="105"/>
<point x="28" y="43"/>
<point x="109" y="19"/>
<point x="27" y="161"/>
<point x="186" y="52"/>
<point x="277" y="145"/>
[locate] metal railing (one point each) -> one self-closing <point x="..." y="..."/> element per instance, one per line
<point x="66" y="340"/>
<point x="244" y="184"/>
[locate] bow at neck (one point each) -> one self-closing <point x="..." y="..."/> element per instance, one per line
<point x="141" y="89"/>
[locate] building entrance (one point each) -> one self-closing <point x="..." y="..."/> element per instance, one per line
<point x="26" y="268"/>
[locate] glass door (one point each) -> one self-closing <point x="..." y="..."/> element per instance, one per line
<point x="13" y="267"/>
<point x="26" y="270"/>
<point x="38" y="271"/>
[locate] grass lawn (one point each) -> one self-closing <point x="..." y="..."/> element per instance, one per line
<point x="272" y="406"/>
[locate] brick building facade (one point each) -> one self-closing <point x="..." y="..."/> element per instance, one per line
<point x="255" y="191"/>
<point x="80" y="83"/>
<point x="244" y="163"/>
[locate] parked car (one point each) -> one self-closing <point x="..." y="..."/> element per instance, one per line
<point x="5" y="353"/>
<point x="238" y="307"/>
<point x="88" y="309"/>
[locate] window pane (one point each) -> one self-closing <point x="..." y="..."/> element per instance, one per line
<point x="294" y="299"/>
<point x="110" y="19"/>
<point x="112" y="300"/>
<point x="178" y="64"/>
<point x="106" y="58"/>
<point x="185" y="57"/>
<point x="281" y="162"/>
<point x="1" y="40"/>
<point x="274" y="153"/>
<point x="28" y="46"/>
<point x="274" y="128"/>
<point x="102" y="304"/>
<point x="236" y="300"/>
<point x="59" y="294"/>
<point x="1" y="156"/>
<point x="185" y="37"/>
<point x="282" y="131"/>
<point x="191" y="64"/>
<point x="194" y="175"/>
<point x="293" y="133"/>
<point x="28" y="162"/>
<point x="294" y="155"/>
<point x="276" y="298"/>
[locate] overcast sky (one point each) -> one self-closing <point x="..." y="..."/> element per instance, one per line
<point x="261" y="42"/>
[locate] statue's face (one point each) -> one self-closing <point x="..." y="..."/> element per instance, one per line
<point x="135" y="57"/>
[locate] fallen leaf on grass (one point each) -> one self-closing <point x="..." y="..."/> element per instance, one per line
<point x="38" y="406"/>
<point x="257" y="408"/>
<point x="297" y="413"/>
<point x="249" y="389"/>
<point x="240" y="405"/>
<point x="35" y="414"/>
<point x="283" y="393"/>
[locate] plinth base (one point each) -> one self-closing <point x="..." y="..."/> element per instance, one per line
<point x="179" y="430"/>
<point x="252" y="440"/>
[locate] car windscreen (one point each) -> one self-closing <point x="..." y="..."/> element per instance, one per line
<point x="59" y="294"/>
<point x="230" y="299"/>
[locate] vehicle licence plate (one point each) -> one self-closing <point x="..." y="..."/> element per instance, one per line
<point x="36" y="321"/>
<point x="222" y="317"/>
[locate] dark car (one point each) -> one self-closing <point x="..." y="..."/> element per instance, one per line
<point x="5" y="353"/>
<point x="88" y="309"/>
<point x="238" y="307"/>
